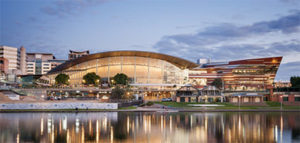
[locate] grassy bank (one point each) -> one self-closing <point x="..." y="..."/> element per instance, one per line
<point x="268" y="105"/>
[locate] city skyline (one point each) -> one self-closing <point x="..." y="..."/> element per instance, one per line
<point x="222" y="31"/>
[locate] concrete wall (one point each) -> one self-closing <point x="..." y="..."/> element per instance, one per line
<point x="59" y="106"/>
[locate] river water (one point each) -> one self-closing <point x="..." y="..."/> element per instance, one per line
<point x="150" y="127"/>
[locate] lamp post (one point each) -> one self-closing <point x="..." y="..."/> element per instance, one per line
<point x="239" y="102"/>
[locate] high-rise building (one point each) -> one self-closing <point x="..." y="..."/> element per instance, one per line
<point x="38" y="63"/>
<point x="11" y="54"/>
<point x="41" y="63"/>
<point x="77" y="54"/>
<point x="16" y="59"/>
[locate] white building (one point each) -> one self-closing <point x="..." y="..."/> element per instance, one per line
<point x="40" y="63"/>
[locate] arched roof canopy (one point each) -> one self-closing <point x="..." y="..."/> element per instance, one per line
<point x="179" y="62"/>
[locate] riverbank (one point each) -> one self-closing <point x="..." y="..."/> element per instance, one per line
<point x="165" y="107"/>
<point x="141" y="109"/>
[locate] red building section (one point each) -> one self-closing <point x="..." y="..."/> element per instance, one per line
<point x="241" y="75"/>
<point x="3" y="65"/>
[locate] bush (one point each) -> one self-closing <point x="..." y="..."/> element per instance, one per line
<point x="142" y="105"/>
<point x="272" y="103"/>
<point x="149" y="103"/>
<point x="117" y="93"/>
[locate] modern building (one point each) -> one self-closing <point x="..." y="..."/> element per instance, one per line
<point x="38" y="63"/>
<point x="77" y="54"/>
<point x="158" y="71"/>
<point x="15" y="57"/>
<point x="41" y="63"/>
<point x="241" y="75"/>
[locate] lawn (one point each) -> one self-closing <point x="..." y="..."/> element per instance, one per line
<point x="270" y="105"/>
<point x="126" y="108"/>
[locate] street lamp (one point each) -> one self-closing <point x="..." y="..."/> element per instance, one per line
<point x="239" y="102"/>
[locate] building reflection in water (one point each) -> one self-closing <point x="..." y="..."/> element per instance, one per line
<point x="149" y="127"/>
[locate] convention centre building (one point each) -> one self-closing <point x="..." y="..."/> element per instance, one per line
<point x="161" y="71"/>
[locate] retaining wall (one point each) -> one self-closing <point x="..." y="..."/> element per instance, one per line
<point x="59" y="106"/>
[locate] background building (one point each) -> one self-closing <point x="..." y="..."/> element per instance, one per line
<point x="13" y="55"/>
<point x="15" y="62"/>
<point x="77" y="54"/>
<point x="3" y="65"/>
<point x="41" y="63"/>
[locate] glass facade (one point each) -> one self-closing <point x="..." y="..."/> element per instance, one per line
<point x="141" y="70"/>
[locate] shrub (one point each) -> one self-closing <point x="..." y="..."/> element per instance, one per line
<point x="149" y="103"/>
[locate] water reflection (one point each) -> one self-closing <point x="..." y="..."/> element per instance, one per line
<point x="149" y="127"/>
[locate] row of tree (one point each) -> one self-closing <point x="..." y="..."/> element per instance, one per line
<point x="295" y="81"/>
<point x="92" y="79"/>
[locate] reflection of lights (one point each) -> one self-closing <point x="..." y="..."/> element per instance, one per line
<point x="161" y="122"/>
<point x="77" y="125"/>
<point x="104" y="123"/>
<point x="68" y="136"/>
<point x="276" y="135"/>
<point x="49" y="125"/>
<point x="191" y="121"/>
<point x="82" y="134"/>
<point x="149" y="123"/>
<point x="111" y="134"/>
<point x="42" y="126"/>
<point x="170" y="123"/>
<point x="239" y="124"/>
<point x="18" y="138"/>
<point x="97" y="131"/>
<point x="281" y="127"/>
<point x="64" y="123"/>
<point x="128" y="124"/>
<point x="60" y="125"/>
<point x="90" y="127"/>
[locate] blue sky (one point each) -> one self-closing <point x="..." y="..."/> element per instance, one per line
<point x="218" y="29"/>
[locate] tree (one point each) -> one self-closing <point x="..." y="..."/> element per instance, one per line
<point x="218" y="83"/>
<point x="295" y="81"/>
<point x="91" y="78"/>
<point x="62" y="78"/>
<point x="117" y="93"/>
<point x="120" y="78"/>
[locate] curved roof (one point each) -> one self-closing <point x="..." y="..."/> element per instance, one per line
<point x="179" y="62"/>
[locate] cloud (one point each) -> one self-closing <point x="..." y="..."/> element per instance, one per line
<point x="62" y="8"/>
<point x="223" y="42"/>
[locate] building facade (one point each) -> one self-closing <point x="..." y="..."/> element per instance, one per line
<point x="16" y="59"/>
<point x="77" y="54"/>
<point x="3" y="65"/>
<point x="157" y="70"/>
<point x="39" y="63"/>
<point x="241" y="75"/>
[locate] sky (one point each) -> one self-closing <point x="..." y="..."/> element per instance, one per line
<point x="221" y="30"/>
